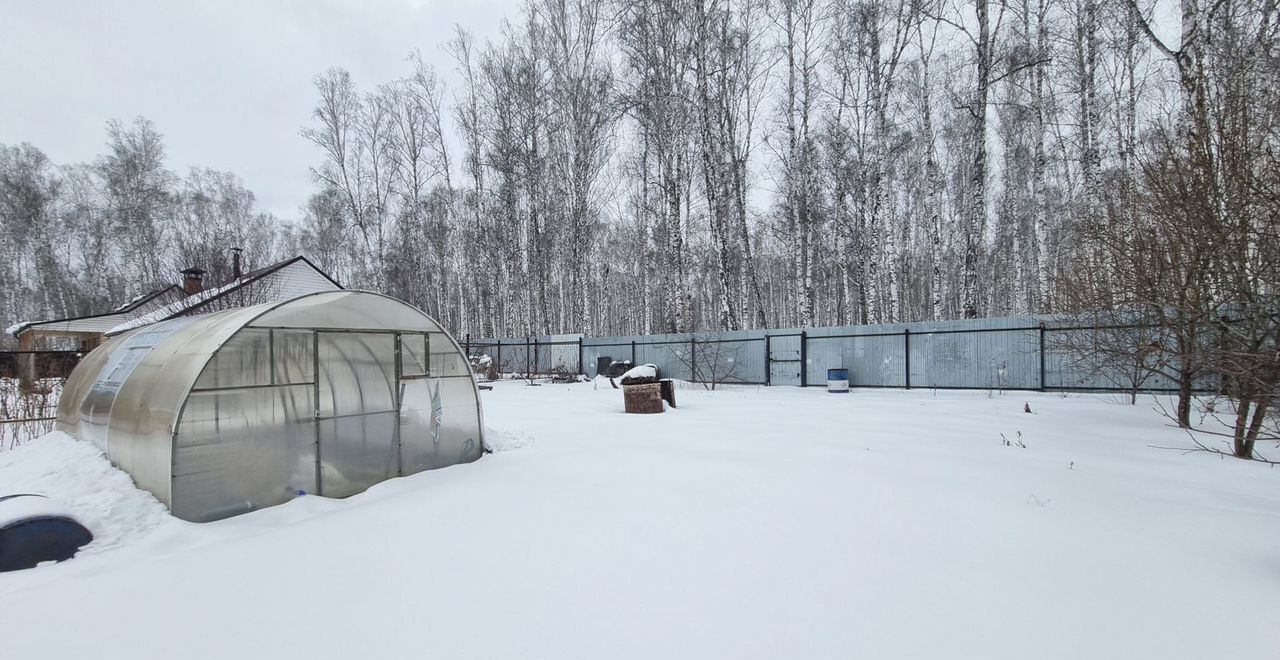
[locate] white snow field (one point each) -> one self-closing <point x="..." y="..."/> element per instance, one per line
<point x="747" y="523"/>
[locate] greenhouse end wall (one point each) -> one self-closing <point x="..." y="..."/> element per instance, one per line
<point x="325" y="394"/>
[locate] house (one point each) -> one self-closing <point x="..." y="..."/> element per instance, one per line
<point x="280" y="281"/>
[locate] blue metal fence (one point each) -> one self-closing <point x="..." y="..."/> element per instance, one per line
<point x="1017" y="352"/>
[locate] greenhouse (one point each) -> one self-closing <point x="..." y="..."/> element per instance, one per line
<point x="327" y="393"/>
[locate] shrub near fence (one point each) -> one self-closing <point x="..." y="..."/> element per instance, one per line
<point x="48" y="364"/>
<point x="1018" y="352"/>
<point x="28" y="415"/>
<point x="545" y="355"/>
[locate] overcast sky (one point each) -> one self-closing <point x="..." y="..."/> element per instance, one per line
<point x="228" y="83"/>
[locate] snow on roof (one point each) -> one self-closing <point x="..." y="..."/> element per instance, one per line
<point x="95" y="324"/>
<point x="136" y="299"/>
<point x="99" y="323"/>
<point x="176" y="307"/>
<point x="18" y="327"/>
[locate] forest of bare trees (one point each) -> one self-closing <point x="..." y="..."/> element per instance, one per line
<point x="684" y="165"/>
<point x="82" y="239"/>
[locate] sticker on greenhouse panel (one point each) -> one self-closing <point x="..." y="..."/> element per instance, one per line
<point x="132" y="352"/>
<point x="437" y="413"/>
<point x="124" y="359"/>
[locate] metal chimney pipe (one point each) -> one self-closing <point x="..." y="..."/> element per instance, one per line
<point x="236" y="270"/>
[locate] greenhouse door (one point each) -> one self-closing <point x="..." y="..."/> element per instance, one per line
<point x="356" y="411"/>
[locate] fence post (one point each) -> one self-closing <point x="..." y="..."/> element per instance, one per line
<point x="468" y="342"/>
<point x="26" y="360"/>
<point x="1042" y="356"/>
<point x="633" y="352"/>
<point x="527" y="372"/>
<point x="768" y="366"/>
<point x="499" y="359"/>
<point x="804" y="359"/>
<point x="581" y="371"/>
<point x="906" y="352"/>
<point x="693" y="359"/>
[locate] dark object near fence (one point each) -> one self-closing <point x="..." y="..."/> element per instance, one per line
<point x="668" y="388"/>
<point x="35" y="529"/>
<point x="644" y="398"/>
<point x="616" y="368"/>
<point x="483" y="365"/>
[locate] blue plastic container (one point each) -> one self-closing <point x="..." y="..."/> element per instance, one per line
<point x="838" y="381"/>
<point x="36" y="529"/>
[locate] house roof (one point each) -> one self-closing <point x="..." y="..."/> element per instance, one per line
<point x="142" y="310"/>
<point x="99" y="323"/>
<point x="206" y="298"/>
<point x="145" y="298"/>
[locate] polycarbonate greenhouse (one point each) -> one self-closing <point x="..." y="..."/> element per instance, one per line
<point x="328" y="393"/>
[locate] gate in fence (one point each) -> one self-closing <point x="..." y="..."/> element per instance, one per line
<point x="786" y="359"/>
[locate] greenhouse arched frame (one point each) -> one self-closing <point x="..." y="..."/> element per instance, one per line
<point x="327" y="393"/>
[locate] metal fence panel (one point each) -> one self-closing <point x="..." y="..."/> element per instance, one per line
<point x="1016" y="352"/>
<point x="1069" y="365"/>
<point x="872" y="361"/>
<point x="739" y="361"/>
<point x="976" y="360"/>
<point x="673" y="359"/>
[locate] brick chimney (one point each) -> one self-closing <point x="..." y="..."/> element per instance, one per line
<point x="192" y="281"/>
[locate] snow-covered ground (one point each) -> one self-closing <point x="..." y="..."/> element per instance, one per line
<point x="748" y="523"/>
